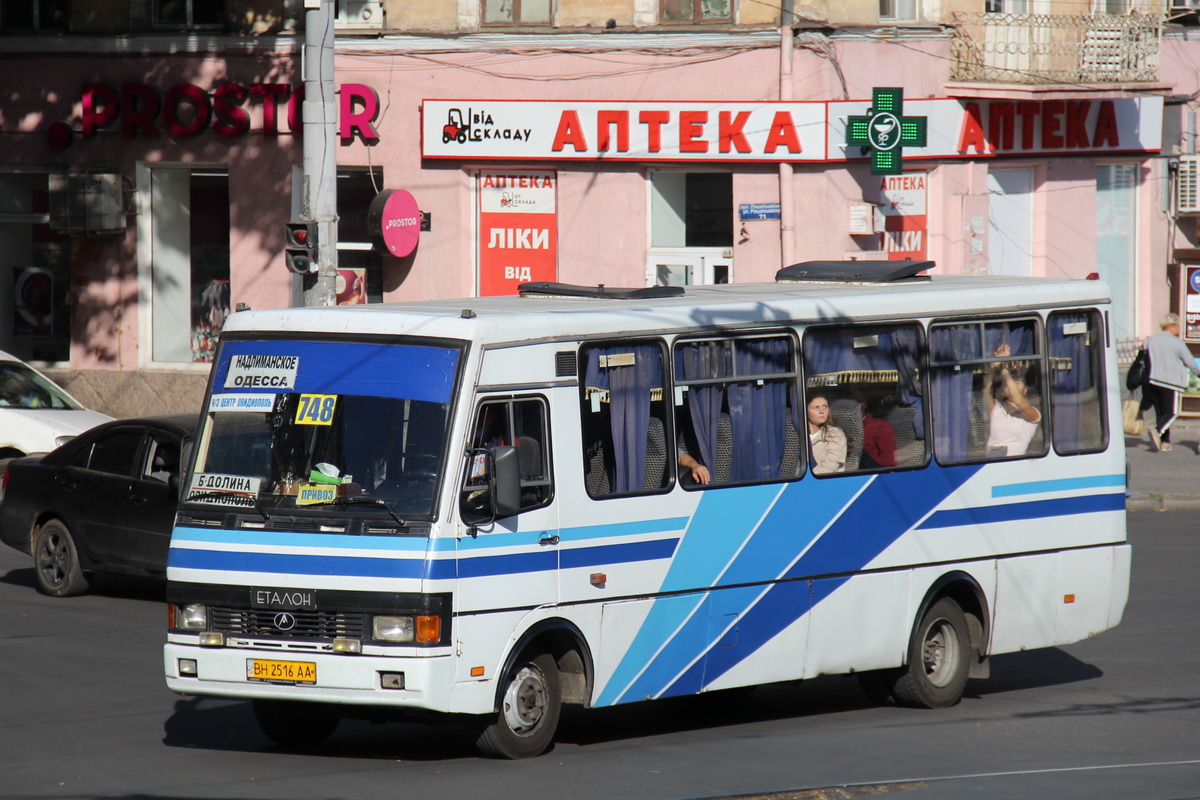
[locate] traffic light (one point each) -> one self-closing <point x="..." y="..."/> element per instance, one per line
<point x="301" y="246"/>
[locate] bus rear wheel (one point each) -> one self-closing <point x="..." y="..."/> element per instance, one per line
<point x="296" y="726"/>
<point x="938" y="659"/>
<point x="529" y="710"/>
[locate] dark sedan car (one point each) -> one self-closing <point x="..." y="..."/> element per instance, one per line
<point x="103" y="502"/>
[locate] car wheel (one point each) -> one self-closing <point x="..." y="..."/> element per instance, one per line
<point x="56" y="561"/>
<point x="529" y="710"/>
<point x="296" y="726"/>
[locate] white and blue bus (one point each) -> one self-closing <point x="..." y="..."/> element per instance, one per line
<point x="496" y="506"/>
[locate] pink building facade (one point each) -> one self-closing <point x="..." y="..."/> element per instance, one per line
<point x="146" y="195"/>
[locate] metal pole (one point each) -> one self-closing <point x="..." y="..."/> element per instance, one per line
<point x="320" y="114"/>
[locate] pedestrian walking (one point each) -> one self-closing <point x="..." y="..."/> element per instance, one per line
<point x="1170" y="363"/>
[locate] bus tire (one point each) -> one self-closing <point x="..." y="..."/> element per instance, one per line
<point x="56" y="561"/>
<point x="296" y="726"/>
<point x="529" y="709"/>
<point x="938" y="659"/>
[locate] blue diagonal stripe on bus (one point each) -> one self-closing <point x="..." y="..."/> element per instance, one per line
<point x="878" y="517"/>
<point x="1033" y="509"/>
<point x="1060" y="485"/>
<point x="722" y="546"/>
<point x="296" y="564"/>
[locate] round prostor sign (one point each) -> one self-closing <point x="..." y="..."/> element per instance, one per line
<point x="394" y="222"/>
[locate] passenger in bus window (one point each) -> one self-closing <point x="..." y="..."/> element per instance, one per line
<point x="879" y="440"/>
<point x="700" y="473"/>
<point x="1013" y="419"/>
<point x="827" y="440"/>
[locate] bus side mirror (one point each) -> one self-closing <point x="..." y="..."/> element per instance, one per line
<point x="506" y="476"/>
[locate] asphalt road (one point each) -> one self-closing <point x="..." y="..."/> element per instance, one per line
<point x="84" y="713"/>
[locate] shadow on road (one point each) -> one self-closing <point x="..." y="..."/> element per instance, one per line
<point x="218" y="724"/>
<point x="129" y="587"/>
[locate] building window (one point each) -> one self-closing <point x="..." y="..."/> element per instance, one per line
<point x="188" y="13"/>
<point x="1005" y="6"/>
<point x="360" y="265"/>
<point x="696" y="11"/>
<point x="34" y="15"/>
<point x="516" y="12"/>
<point x="898" y="10"/>
<point x="34" y="270"/>
<point x="190" y="272"/>
<point x="1117" y="241"/>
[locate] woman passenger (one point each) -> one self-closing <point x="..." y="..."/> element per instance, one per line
<point x="827" y="440"/>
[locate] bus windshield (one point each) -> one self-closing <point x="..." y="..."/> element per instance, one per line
<point x="325" y="425"/>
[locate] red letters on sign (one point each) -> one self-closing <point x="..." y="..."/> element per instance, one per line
<point x="187" y="110"/>
<point x="1044" y="125"/>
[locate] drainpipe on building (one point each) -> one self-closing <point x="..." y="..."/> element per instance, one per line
<point x="787" y="228"/>
<point x="319" y="200"/>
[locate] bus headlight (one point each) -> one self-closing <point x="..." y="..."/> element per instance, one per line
<point x="393" y="629"/>
<point x="191" y="617"/>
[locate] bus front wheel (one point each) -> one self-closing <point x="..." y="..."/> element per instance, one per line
<point x="529" y="710"/>
<point x="938" y="659"/>
<point x="296" y="726"/>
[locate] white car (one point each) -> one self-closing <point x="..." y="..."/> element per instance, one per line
<point x="37" y="416"/>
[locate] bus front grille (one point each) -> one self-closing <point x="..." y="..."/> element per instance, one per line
<point x="288" y="624"/>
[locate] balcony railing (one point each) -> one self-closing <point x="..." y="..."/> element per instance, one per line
<point x="1045" y="48"/>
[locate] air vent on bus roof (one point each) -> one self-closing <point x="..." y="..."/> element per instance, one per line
<point x="548" y="289"/>
<point x="853" y="271"/>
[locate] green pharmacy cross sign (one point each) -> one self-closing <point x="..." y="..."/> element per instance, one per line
<point x="885" y="131"/>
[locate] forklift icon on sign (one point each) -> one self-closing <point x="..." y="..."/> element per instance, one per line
<point x="455" y="128"/>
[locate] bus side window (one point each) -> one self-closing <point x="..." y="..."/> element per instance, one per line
<point x="1076" y="341"/>
<point x="622" y="413"/>
<point x="988" y="390"/>
<point x="737" y="411"/>
<point x="867" y="377"/>
<point x="521" y="423"/>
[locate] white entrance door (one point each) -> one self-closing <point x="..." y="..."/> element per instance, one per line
<point x="688" y="266"/>
<point x="1010" y="222"/>
<point x="691" y="228"/>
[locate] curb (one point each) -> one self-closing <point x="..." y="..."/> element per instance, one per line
<point x="1146" y="503"/>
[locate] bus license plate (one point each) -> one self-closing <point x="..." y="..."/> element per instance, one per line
<point x="259" y="669"/>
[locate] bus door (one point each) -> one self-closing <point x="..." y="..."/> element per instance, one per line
<point x="513" y="557"/>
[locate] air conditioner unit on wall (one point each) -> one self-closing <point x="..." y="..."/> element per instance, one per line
<point x="90" y="203"/>
<point x="1187" y="186"/>
<point x="360" y="14"/>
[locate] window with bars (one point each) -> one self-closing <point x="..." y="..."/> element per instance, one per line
<point x="188" y="13"/>
<point x="897" y="10"/>
<point x="696" y="11"/>
<point x="517" y="12"/>
<point x="34" y="15"/>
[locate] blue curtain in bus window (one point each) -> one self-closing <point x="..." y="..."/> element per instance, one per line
<point x="904" y="350"/>
<point x="756" y="409"/>
<point x="629" y="389"/>
<point x="1071" y="377"/>
<point x="951" y="388"/>
<point x="1019" y="336"/>
<point x="703" y="361"/>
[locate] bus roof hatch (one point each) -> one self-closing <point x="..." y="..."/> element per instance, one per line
<point x="854" y="271"/>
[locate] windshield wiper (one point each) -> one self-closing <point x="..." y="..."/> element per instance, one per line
<point x="362" y="500"/>
<point x="211" y="495"/>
